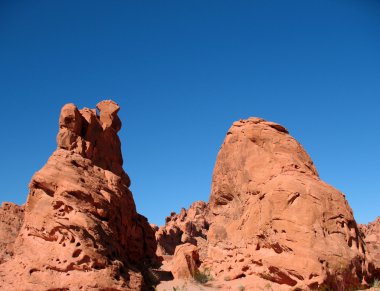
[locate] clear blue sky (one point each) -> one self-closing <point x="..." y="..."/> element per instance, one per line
<point x="182" y="72"/>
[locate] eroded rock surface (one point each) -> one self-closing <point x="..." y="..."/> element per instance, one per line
<point x="271" y="216"/>
<point x="81" y="229"/>
<point x="11" y="219"/>
<point x="271" y="208"/>
<point x="189" y="226"/>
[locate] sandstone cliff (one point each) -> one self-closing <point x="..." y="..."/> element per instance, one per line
<point x="81" y="229"/>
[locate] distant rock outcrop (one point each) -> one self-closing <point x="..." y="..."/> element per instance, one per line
<point x="371" y="235"/>
<point x="270" y="216"/>
<point x="189" y="226"/>
<point x="81" y="229"/>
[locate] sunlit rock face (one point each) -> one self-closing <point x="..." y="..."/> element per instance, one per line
<point x="81" y="229"/>
<point x="270" y="216"/>
<point x="268" y="202"/>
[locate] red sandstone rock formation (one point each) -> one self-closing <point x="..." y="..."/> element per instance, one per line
<point x="371" y="234"/>
<point x="81" y="229"/>
<point x="271" y="216"/>
<point x="11" y="219"/>
<point x="189" y="226"/>
<point x="185" y="262"/>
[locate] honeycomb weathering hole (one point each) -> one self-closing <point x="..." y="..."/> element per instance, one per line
<point x="76" y="253"/>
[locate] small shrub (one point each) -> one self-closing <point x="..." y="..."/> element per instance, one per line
<point x="376" y="283"/>
<point x="177" y="288"/>
<point x="202" y="277"/>
<point x="241" y="288"/>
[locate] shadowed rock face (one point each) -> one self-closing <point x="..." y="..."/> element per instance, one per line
<point x="271" y="216"/>
<point x="371" y="235"/>
<point x="189" y="226"/>
<point x="81" y="228"/>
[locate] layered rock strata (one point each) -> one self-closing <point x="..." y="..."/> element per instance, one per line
<point x="81" y="230"/>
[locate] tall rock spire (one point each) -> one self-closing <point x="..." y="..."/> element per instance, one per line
<point x="93" y="137"/>
<point x="81" y="229"/>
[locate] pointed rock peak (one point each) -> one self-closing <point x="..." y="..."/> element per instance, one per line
<point x="108" y="114"/>
<point x="93" y="137"/>
<point x="70" y="118"/>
